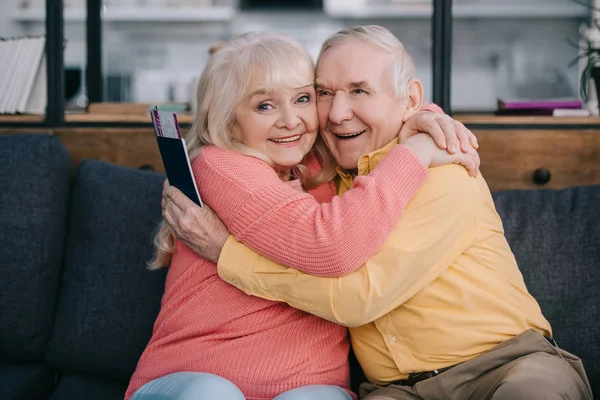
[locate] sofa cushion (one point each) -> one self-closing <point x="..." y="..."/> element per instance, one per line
<point x="25" y="382"/>
<point x="108" y="300"/>
<point x="555" y="235"/>
<point x="77" y="387"/>
<point x="33" y="206"/>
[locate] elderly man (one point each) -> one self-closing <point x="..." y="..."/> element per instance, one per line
<point x="441" y="311"/>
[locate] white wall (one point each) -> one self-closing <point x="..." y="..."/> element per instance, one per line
<point x="7" y="27"/>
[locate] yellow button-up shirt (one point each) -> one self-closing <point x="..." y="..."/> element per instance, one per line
<point x="443" y="289"/>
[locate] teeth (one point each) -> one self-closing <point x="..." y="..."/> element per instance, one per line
<point x="349" y="135"/>
<point x="287" y="140"/>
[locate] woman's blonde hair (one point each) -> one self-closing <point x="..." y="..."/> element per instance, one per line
<point x="227" y="79"/>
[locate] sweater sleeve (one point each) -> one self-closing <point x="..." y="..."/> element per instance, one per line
<point x="293" y="228"/>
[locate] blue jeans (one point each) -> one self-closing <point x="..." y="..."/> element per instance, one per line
<point x="203" y="386"/>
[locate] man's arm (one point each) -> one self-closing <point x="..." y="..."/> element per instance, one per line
<point x="436" y="228"/>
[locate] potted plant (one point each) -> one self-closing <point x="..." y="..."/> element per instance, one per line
<point x="589" y="53"/>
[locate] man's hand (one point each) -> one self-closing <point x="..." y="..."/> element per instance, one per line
<point x="198" y="227"/>
<point x="447" y="133"/>
<point x="429" y="155"/>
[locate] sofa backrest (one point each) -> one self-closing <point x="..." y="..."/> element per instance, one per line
<point x="34" y="182"/>
<point x="555" y="236"/>
<point x="108" y="300"/>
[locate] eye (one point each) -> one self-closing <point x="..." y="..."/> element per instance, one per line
<point x="358" y="91"/>
<point x="264" y="107"/>
<point x="303" y="99"/>
<point x="324" y="93"/>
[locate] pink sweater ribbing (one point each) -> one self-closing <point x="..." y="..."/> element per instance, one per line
<point x="323" y="239"/>
<point x="265" y="347"/>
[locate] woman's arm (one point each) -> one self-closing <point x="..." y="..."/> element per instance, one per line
<point x="331" y="239"/>
<point x="292" y="228"/>
<point x="286" y="225"/>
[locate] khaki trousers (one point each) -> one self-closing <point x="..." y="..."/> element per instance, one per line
<point x="526" y="367"/>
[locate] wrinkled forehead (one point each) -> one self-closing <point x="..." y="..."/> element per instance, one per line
<point x="349" y="63"/>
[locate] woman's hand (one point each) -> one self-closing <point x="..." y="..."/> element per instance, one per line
<point x="198" y="227"/>
<point x="430" y="155"/>
<point x="447" y="133"/>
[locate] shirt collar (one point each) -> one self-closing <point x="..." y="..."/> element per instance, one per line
<point x="367" y="162"/>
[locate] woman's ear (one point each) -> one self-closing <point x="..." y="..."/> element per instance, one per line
<point x="234" y="132"/>
<point x="415" y="99"/>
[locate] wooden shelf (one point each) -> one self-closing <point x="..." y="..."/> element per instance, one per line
<point x="22" y="118"/>
<point x="183" y="118"/>
<point x="122" y="118"/>
<point x="465" y="119"/>
<point x="136" y="113"/>
<point x="137" y="14"/>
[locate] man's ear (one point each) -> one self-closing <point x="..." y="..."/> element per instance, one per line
<point x="415" y="99"/>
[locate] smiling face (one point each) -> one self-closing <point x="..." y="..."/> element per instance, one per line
<point x="281" y="123"/>
<point x="358" y="110"/>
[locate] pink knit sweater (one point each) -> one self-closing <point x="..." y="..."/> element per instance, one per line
<point x="264" y="347"/>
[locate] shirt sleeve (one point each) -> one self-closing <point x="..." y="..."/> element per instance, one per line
<point x="292" y="228"/>
<point x="435" y="229"/>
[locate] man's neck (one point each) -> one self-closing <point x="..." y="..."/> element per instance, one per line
<point x="365" y="161"/>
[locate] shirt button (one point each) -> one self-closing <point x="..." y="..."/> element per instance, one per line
<point x="235" y="282"/>
<point x="393" y="340"/>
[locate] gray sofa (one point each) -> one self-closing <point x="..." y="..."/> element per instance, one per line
<point x="77" y="305"/>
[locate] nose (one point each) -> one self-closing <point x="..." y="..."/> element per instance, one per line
<point x="288" y="118"/>
<point x="340" y="110"/>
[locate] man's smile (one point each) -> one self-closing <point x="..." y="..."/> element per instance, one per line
<point x="349" y="135"/>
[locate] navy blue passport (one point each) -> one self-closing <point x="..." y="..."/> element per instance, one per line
<point x="174" y="154"/>
<point x="177" y="166"/>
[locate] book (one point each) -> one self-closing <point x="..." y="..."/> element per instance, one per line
<point x="536" y="107"/>
<point x="23" y="81"/>
<point x="173" y="152"/>
<point x="549" y="104"/>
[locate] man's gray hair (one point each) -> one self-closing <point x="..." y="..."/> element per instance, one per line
<point x="402" y="68"/>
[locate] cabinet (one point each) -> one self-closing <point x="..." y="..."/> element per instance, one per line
<point x="528" y="159"/>
<point x="550" y="156"/>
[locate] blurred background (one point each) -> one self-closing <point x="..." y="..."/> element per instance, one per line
<point x="153" y="50"/>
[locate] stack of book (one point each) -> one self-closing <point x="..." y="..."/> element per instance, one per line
<point x="23" y="75"/>
<point x="555" y="107"/>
